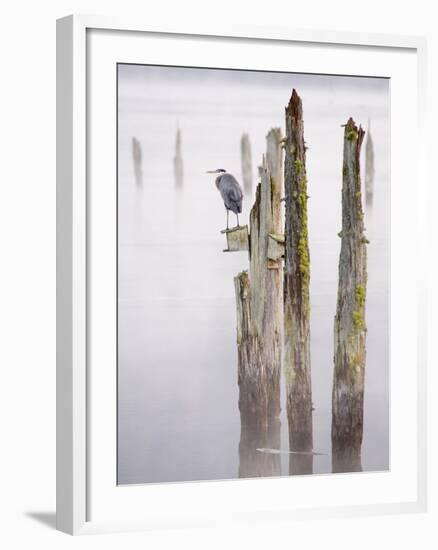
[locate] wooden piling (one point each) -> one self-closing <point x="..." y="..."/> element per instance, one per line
<point x="246" y="158"/>
<point x="350" y="328"/>
<point x="178" y="165"/>
<point x="259" y="301"/>
<point x="237" y="238"/>
<point x="296" y="288"/>
<point x="137" y="159"/>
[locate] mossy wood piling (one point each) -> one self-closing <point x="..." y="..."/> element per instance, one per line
<point x="350" y="328"/>
<point x="296" y="288"/>
<point x="259" y="301"/>
<point x="273" y="308"/>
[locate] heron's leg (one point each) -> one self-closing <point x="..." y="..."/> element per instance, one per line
<point x="237" y="215"/>
<point x="227" y="215"/>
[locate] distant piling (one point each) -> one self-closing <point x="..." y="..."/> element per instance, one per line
<point x="178" y="165"/>
<point x="137" y="159"/>
<point x="350" y="327"/>
<point x="246" y="158"/>
<point x="297" y="365"/>
<point x="259" y="300"/>
<point x="369" y="168"/>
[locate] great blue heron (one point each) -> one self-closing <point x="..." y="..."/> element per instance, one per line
<point x="230" y="191"/>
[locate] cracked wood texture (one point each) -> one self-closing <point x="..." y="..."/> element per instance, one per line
<point x="350" y="329"/>
<point x="259" y="301"/>
<point x="296" y="290"/>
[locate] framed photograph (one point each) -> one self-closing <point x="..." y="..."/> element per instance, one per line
<point x="241" y="323"/>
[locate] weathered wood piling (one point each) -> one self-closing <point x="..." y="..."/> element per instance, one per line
<point x="246" y="158"/>
<point x="296" y="289"/>
<point x="259" y="300"/>
<point x="237" y="238"/>
<point x="350" y="327"/>
<point x="178" y="165"/>
<point x="369" y="168"/>
<point x="137" y="159"/>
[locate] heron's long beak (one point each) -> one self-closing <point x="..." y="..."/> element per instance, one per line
<point x="211" y="172"/>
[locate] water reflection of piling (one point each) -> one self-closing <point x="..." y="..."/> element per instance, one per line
<point x="350" y="329"/>
<point x="245" y="151"/>
<point x="178" y="166"/>
<point x="296" y="290"/>
<point x="369" y="168"/>
<point x="348" y="460"/>
<point x="253" y="462"/>
<point x="137" y="158"/>
<point x="300" y="465"/>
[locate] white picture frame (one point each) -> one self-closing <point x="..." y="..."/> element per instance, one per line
<point x="78" y="446"/>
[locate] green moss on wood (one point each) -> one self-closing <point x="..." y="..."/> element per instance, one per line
<point x="358" y="320"/>
<point x="360" y="295"/>
<point x="358" y="314"/>
<point x="356" y="363"/>
<point x="303" y="242"/>
<point x="351" y="135"/>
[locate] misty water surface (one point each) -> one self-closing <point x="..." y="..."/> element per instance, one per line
<point x="178" y="415"/>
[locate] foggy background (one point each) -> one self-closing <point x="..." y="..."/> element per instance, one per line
<point x="178" y="415"/>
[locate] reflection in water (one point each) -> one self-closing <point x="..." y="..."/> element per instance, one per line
<point x="300" y="464"/>
<point x="253" y="462"/>
<point x="178" y="166"/>
<point x="347" y="460"/>
<point x="137" y="158"/>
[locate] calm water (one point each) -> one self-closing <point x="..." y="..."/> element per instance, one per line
<point x="177" y="392"/>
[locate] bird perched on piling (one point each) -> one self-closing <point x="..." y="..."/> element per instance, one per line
<point x="230" y="191"/>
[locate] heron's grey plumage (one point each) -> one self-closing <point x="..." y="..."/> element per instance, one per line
<point x="231" y="192"/>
